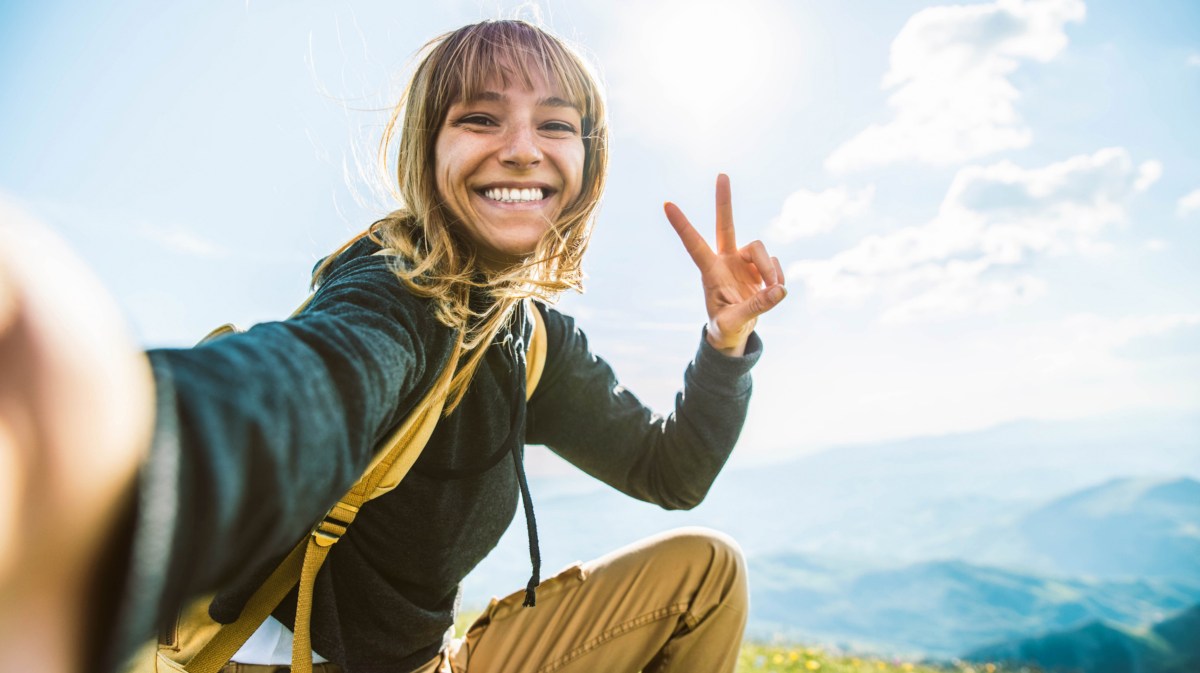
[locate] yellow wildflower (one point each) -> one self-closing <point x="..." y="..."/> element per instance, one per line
<point x="812" y="664"/>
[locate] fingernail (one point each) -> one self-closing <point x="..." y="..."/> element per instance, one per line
<point x="777" y="293"/>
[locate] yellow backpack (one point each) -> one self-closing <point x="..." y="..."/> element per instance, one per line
<point x="198" y="644"/>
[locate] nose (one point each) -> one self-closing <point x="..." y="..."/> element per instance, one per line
<point x="521" y="148"/>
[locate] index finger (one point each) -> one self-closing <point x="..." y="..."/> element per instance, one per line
<point x="726" y="238"/>
<point x="693" y="242"/>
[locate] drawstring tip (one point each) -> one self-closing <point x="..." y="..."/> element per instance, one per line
<point x="531" y="593"/>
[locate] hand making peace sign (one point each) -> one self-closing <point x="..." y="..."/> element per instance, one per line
<point x="740" y="284"/>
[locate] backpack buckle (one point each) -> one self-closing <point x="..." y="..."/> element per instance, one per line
<point x="334" y="525"/>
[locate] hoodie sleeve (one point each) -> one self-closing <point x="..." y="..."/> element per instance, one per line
<point x="582" y="413"/>
<point x="258" y="433"/>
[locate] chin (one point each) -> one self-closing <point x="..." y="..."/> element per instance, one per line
<point x="516" y="249"/>
<point x="492" y="257"/>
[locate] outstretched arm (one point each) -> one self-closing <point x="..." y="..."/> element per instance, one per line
<point x="740" y="284"/>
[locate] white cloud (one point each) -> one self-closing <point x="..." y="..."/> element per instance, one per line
<point x="807" y="213"/>
<point x="1194" y="59"/>
<point x="918" y="380"/>
<point x="1156" y="245"/>
<point x="1096" y="335"/>
<point x="973" y="256"/>
<point x="950" y="69"/>
<point x="1188" y="204"/>
<point x="964" y="292"/>
<point x="180" y="240"/>
<point x="1148" y="174"/>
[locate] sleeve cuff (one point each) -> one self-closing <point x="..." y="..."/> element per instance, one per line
<point x="715" y="371"/>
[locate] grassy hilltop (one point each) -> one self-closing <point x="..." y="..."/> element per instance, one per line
<point x="762" y="658"/>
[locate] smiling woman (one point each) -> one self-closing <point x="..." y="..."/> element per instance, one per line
<point x="436" y="317"/>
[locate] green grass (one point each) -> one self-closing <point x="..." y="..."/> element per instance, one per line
<point x="760" y="658"/>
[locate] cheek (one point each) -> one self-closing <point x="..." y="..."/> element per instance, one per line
<point x="439" y="168"/>
<point x="574" y="167"/>
<point x="449" y="179"/>
<point x="452" y="193"/>
<point x="443" y="180"/>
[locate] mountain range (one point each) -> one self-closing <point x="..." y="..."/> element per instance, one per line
<point x="1169" y="646"/>
<point x="940" y="608"/>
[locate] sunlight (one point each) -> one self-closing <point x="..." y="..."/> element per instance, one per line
<point x="696" y="68"/>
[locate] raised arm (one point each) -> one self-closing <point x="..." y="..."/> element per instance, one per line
<point x="582" y="413"/>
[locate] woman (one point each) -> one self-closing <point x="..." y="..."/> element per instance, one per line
<point x="502" y="153"/>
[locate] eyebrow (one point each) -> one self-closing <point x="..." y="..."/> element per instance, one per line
<point x="549" y="101"/>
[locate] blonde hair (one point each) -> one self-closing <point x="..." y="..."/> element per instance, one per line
<point x="436" y="259"/>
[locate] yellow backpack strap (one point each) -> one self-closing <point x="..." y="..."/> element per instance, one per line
<point x="535" y="356"/>
<point x="397" y="458"/>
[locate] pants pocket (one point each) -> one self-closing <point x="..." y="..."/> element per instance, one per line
<point x="502" y="608"/>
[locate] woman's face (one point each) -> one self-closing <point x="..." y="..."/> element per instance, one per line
<point x="507" y="164"/>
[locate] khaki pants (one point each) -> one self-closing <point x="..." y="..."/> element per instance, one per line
<point x="673" y="602"/>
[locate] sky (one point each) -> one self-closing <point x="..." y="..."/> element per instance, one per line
<point x="986" y="211"/>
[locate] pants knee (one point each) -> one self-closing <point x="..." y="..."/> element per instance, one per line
<point x="719" y="559"/>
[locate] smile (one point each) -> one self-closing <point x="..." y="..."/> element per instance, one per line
<point x="507" y="195"/>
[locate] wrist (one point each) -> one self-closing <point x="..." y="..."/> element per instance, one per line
<point x="736" y="349"/>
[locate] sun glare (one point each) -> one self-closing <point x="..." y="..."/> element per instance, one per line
<point x="693" y="69"/>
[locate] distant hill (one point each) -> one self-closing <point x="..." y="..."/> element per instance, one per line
<point x="939" y="608"/>
<point x="1170" y="646"/>
<point x="1123" y="528"/>
<point x="1126" y="527"/>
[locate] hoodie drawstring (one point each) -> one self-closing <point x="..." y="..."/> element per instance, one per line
<point x="513" y="444"/>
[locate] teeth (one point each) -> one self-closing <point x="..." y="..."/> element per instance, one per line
<point x="514" y="195"/>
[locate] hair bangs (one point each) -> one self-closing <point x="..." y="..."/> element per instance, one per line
<point x="505" y="54"/>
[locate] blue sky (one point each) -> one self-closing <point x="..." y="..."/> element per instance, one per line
<point x="987" y="211"/>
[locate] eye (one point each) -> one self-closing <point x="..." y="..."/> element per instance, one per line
<point x="559" y="127"/>
<point x="475" y="120"/>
